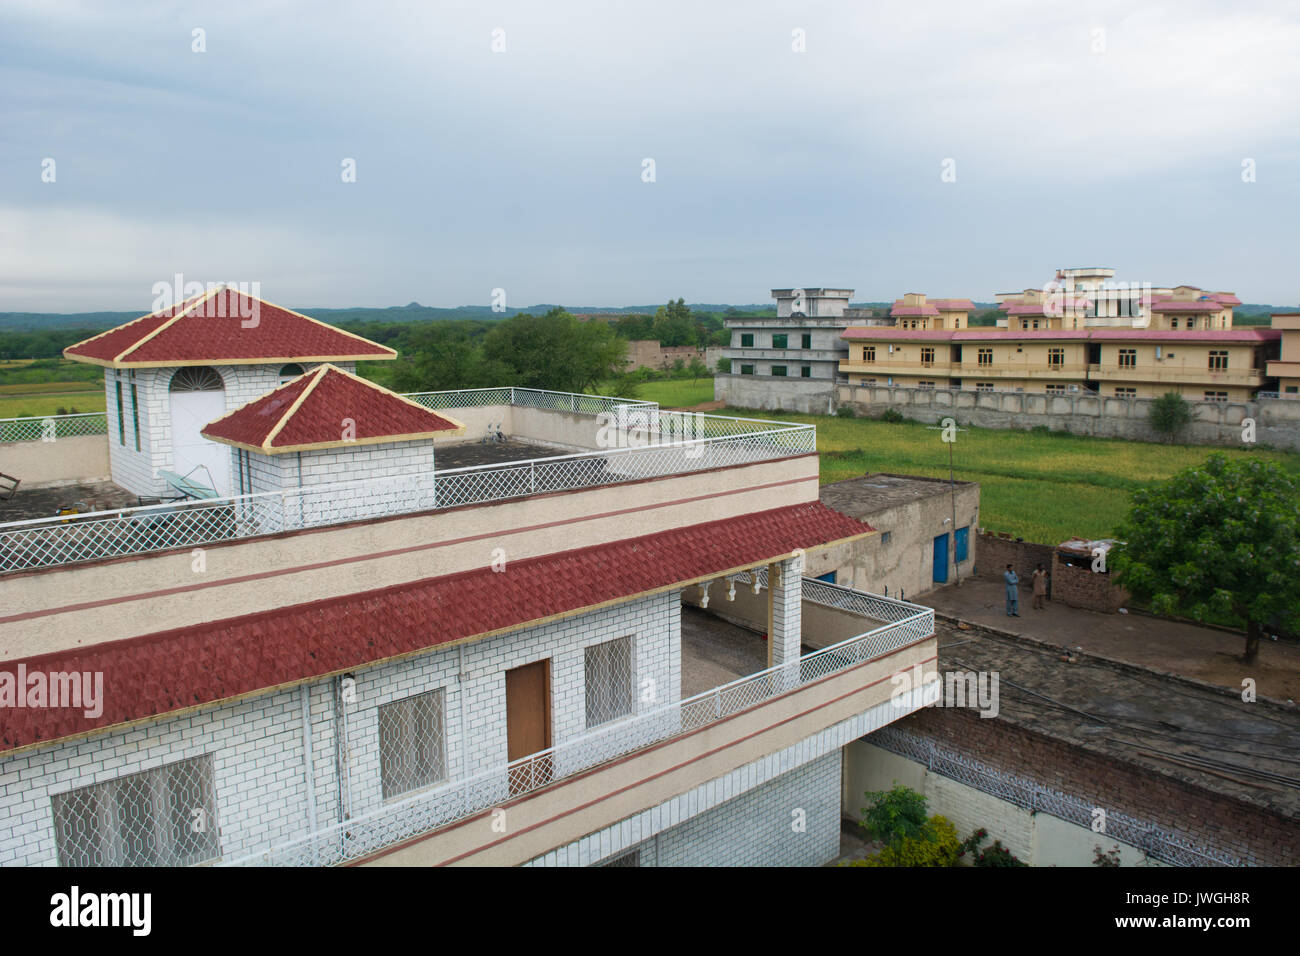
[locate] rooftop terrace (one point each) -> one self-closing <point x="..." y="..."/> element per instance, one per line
<point x="557" y="441"/>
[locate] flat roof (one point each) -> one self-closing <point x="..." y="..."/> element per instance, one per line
<point x="871" y="494"/>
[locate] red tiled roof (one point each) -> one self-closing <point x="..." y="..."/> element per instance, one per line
<point x="1225" y="298"/>
<point x="913" y="310"/>
<point x="953" y="305"/>
<point x="150" y="676"/>
<point x="310" y="412"/>
<point x="224" y="326"/>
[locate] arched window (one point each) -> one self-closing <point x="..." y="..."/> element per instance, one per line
<point x="198" y="378"/>
<point x="290" y="371"/>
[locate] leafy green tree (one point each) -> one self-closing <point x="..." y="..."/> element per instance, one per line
<point x="724" y="366"/>
<point x="1169" y="414"/>
<point x="446" y="355"/>
<point x="697" y="369"/>
<point x="674" y="325"/>
<point x="1215" y="540"/>
<point x="555" y="351"/>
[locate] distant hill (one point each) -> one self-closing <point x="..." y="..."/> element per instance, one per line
<point x="1247" y="314"/>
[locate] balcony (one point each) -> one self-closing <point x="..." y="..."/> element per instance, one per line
<point x="600" y="442"/>
<point x="1177" y="375"/>
<point x="627" y="767"/>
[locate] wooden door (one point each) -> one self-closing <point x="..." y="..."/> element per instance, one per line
<point x="528" y="724"/>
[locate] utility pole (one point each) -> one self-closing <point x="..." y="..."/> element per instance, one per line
<point x="948" y="433"/>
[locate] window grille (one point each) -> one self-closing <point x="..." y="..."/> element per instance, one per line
<point x="609" y="680"/>
<point x="411" y="743"/>
<point x="161" y="817"/>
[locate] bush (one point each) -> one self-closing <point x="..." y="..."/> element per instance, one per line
<point x="936" y="845"/>
<point x="894" y="815"/>
<point x="892" y="415"/>
<point x="845" y="411"/>
<point x="1169" y="414"/>
<point x="996" y="855"/>
<point x="1105" y="858"/>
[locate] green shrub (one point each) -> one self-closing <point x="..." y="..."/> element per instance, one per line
<point x="891" y="415"/>
<point x="1169" y="414"/>
<point x="846" y="411"/>
<point x="894" y="815"/>
<point x="936" y="845"/>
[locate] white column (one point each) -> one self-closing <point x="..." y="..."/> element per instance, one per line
<point x="785" y="615"/>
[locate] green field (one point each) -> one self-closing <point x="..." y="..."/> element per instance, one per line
<point x="1045" y="487"/>
<point x="669" y="393"/>
<point x="27" y="403"/>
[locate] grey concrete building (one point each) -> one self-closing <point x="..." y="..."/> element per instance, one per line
<point x="790" y="361"/>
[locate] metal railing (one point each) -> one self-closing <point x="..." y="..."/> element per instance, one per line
<point x="1160" y="844"/>
<point x="426" y="811"/>
<point x="661" y="444"/>
<point x="38" y="428"/>
<point x="52" y="427"/>
<point x="1293" y="396"/>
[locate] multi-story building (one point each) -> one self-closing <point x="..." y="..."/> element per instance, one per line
<point x="912" y="311"/>
<point x="1226" y="365"/>
<point x="1088" y="298"/>
<point x="363" y="655"/>
<point x="803" y="341"/>
<point x="1286" y="367"/>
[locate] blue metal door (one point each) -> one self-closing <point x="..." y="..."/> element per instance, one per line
<point x="941" y="559"/>
<point x="962" y="544"/>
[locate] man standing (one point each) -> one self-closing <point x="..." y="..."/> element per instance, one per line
<point x="1013" y="592"/>
<point x="1040" y="588"/>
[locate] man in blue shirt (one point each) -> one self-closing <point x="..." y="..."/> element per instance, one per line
<point x="1013" y="592"/>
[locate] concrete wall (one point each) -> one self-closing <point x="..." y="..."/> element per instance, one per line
<point x="811" y="396"/>
<point x="257" y="744"/>
<point x="66" y="459"/>
<point x="1038" y="839"/>
<point x="1277" y="421"/>
<point x="906" y="562"/>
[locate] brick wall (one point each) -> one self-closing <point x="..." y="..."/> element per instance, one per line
<point x="1085" y="588"/>
<point x="1253" y="833"/>
<point x="996" y="552"/>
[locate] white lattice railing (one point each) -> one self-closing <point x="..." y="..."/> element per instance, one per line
<point x="403" y="819"/>
<point x="49" y="542"/>
<point x="52" y="427"/>
<point x="48" y="427"/>
<point x="1168" y="847"/>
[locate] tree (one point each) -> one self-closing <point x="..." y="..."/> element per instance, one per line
<point x="674" y="325"/>
<point x="697" y="369"/>
<point x="447" y="355"/>
<point x="1217" y="539"/>
<point x="1169" y="414"/>
<point x="555" y="351"/>
<point x="724" y="366"/>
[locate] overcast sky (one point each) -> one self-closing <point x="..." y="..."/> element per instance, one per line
<point x="1081" y="133"/>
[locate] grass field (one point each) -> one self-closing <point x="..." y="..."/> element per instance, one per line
<point x="21" y="401"/>
<point x="671" y="393"/>
<point x="1045" y="487"/>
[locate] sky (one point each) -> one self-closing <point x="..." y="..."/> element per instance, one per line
<point x="953" y="148"/>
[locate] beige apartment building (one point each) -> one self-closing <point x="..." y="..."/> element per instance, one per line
<point x="1286" y="368"/>
<point x="1210" y="365"/>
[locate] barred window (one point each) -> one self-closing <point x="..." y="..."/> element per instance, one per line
<point x="927" y="356"/>
<point x="1218" y="360"/>
<point x="411" y="753"/>
<point x="609" y="680"/>
<point x="161" y="817"/>
<point x="985" y="356"/>
<point x="631" y="859"/>
<point x="1055" y="357"/>
<point x="1128" y="358"/>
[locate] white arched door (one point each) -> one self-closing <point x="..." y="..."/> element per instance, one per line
<point x="198" y="396"/>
